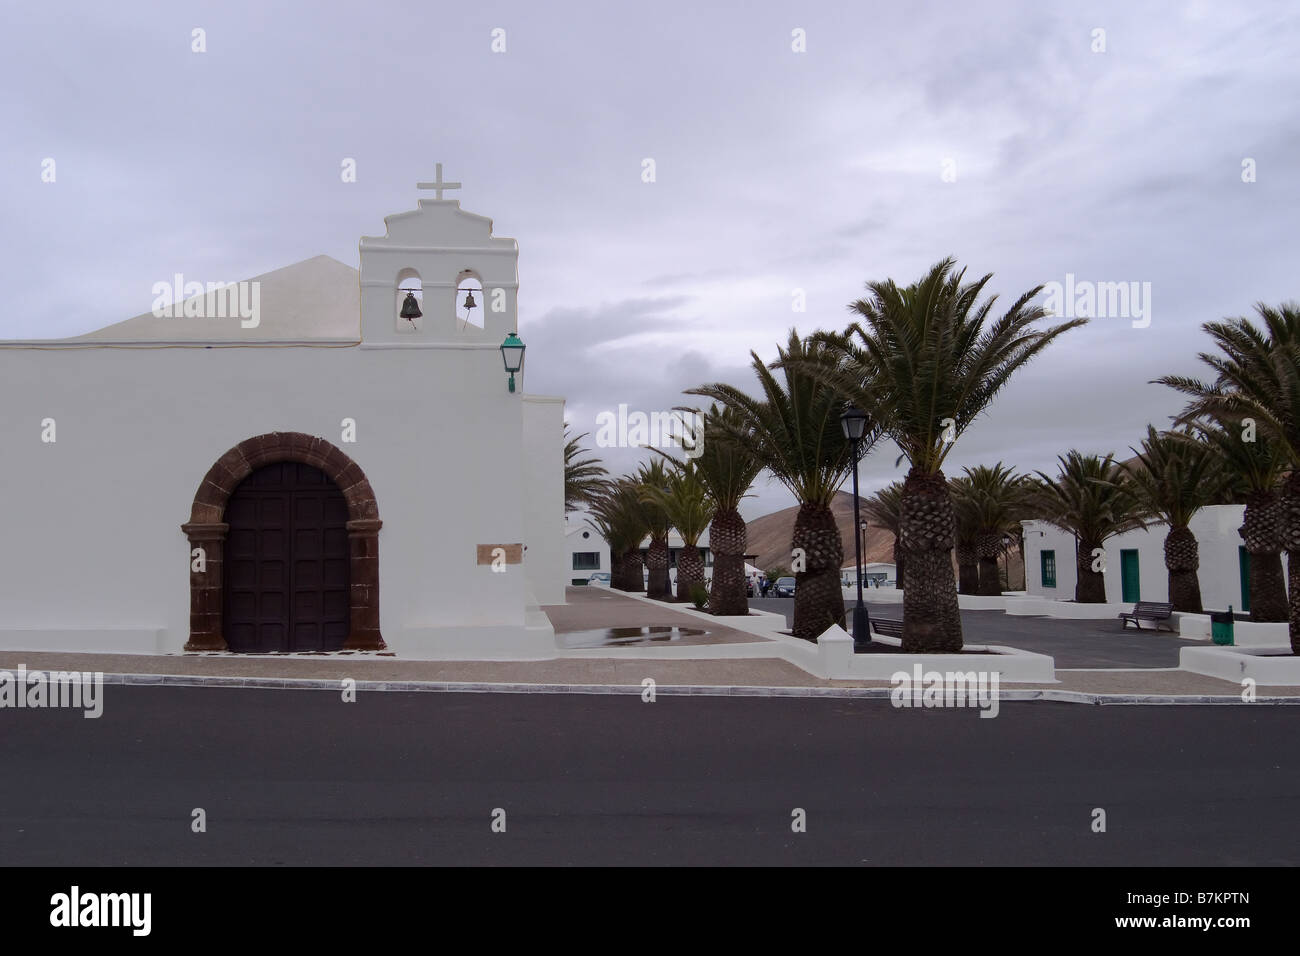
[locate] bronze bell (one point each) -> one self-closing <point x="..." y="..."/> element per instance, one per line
<point x="469" y="301"/>
<point x="410" y="307"/>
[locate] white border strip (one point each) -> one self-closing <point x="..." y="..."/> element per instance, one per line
<point x="672" y="690"/>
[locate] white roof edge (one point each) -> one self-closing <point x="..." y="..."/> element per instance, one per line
<point x="178" y="344"/>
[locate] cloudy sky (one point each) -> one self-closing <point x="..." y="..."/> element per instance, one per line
<point x="998" y="133"/>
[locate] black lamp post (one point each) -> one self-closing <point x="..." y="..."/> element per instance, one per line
<point x="854" y="423"/>
<point x="862" y="531"/>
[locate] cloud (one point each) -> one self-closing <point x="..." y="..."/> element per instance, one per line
<point x="776" y="171"/>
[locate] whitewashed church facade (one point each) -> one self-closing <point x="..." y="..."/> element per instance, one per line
<point x="327" y="474"/>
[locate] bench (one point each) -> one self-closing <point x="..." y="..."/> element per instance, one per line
<point x="887" y="626"/>
<point x="1153" y="611"/>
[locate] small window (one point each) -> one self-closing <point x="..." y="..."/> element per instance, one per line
<point x="1048" y="559"/>
<point x="586" y="534"/>
<point x="586" y="560"/>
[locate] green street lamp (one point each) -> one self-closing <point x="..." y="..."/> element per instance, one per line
<point x="512" y="353"/>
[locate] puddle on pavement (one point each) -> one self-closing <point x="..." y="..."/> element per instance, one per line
<point x="627" y="636"/>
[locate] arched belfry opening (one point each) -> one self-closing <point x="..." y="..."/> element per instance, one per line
<point x="284" y="548"/>
<point x="408" y="311"/>
<point x="469" y="299"/>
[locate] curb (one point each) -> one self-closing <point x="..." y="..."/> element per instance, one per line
<point x="671" y="690"/>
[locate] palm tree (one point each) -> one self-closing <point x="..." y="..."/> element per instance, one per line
<point x="884" y="509"/>
<point x="1257" y="379"/>
<point x="621" y="518"/>
<point x="965" y="510"/>
<point x="727" y="469"/>
<point x="998" y="495"/>
<point x="1256" y="470"/>
<point x="605" y="523"/>
<point x="653" y="481"/>
<point x="926" y="360"/>
<point x="685" y="501"/>
<point x="794" y="431"/>
<point x="1174" y="476"/>
<point x="1092" y="499"/>
<point x="584" y="478"/>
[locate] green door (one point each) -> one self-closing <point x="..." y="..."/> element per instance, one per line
<point x="1128" y="575"/>
<point x="1243" y="560"/>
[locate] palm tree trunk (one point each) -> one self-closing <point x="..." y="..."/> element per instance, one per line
<point x="968" y="568"/>
<point x="1291" y="533"/>
<point x="690" y="571"/>
<point x="728" y="538"/>
<point x="1024" y="565"/>
<point x="1267" y="588"/>
<point x="633" y="579"/>
<point x="1261" y="532"/>
<point x="1182" y="559"/>
<point x="818" y="600"/>
<point x="1090" y="585"/>
<point x="898" y="566"/>
<point x="987" y="547"/>
<point x="931" y="618"/>
<point x="616" y="571"/>
<point x="657" y="561"/>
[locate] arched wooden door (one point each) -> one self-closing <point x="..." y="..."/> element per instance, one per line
<point x="287" y="580"/>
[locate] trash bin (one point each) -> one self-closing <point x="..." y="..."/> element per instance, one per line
<point x="1221" y="626"/>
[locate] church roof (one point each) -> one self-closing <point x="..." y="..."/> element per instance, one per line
<point x="316" y="300"/>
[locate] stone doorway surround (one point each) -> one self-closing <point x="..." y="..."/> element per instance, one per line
<point x="207" y="529"/>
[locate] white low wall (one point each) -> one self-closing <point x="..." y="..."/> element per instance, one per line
<point x="1196" y="627"/>
<point x="828" y="658"/>
<point x="1240" y="663"/>
<point x="872" y="596"/>
<point x="1070" y="610"/>
<point x="985" y="602"/>
<point x="1010" y="664"/>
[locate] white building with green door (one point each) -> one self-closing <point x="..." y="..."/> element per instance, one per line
<point x="1135" y="561"/>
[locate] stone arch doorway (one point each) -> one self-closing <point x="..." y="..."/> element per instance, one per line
<point x="209" y="528"/>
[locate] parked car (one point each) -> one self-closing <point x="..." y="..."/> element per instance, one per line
<point x="784" y="587"/>
<point x="599" y="580"/>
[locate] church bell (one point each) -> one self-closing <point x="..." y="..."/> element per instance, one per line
<point x="411" y="308"/>
<point x="469" y="301"/>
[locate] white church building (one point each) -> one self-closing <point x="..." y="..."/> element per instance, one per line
<point x="306" y="466"/>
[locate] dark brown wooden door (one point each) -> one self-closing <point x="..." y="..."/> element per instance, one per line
<point x="286" y="580"/>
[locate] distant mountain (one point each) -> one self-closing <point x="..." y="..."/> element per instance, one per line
<point x="770" y="535"/>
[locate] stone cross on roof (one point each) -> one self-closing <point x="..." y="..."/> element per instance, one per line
<point x="438" y="186"/>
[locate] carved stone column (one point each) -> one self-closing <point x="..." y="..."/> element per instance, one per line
<point x="206" y="633"/>
<point x="363" y="546"/>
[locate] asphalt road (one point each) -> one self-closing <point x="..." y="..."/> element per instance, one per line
<point x="1102" y="643"/>
<point x="299" y="777"/>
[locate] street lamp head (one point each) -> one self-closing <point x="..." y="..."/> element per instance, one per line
<point x="854" y="423"/>
<point x="512" y="354"/>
